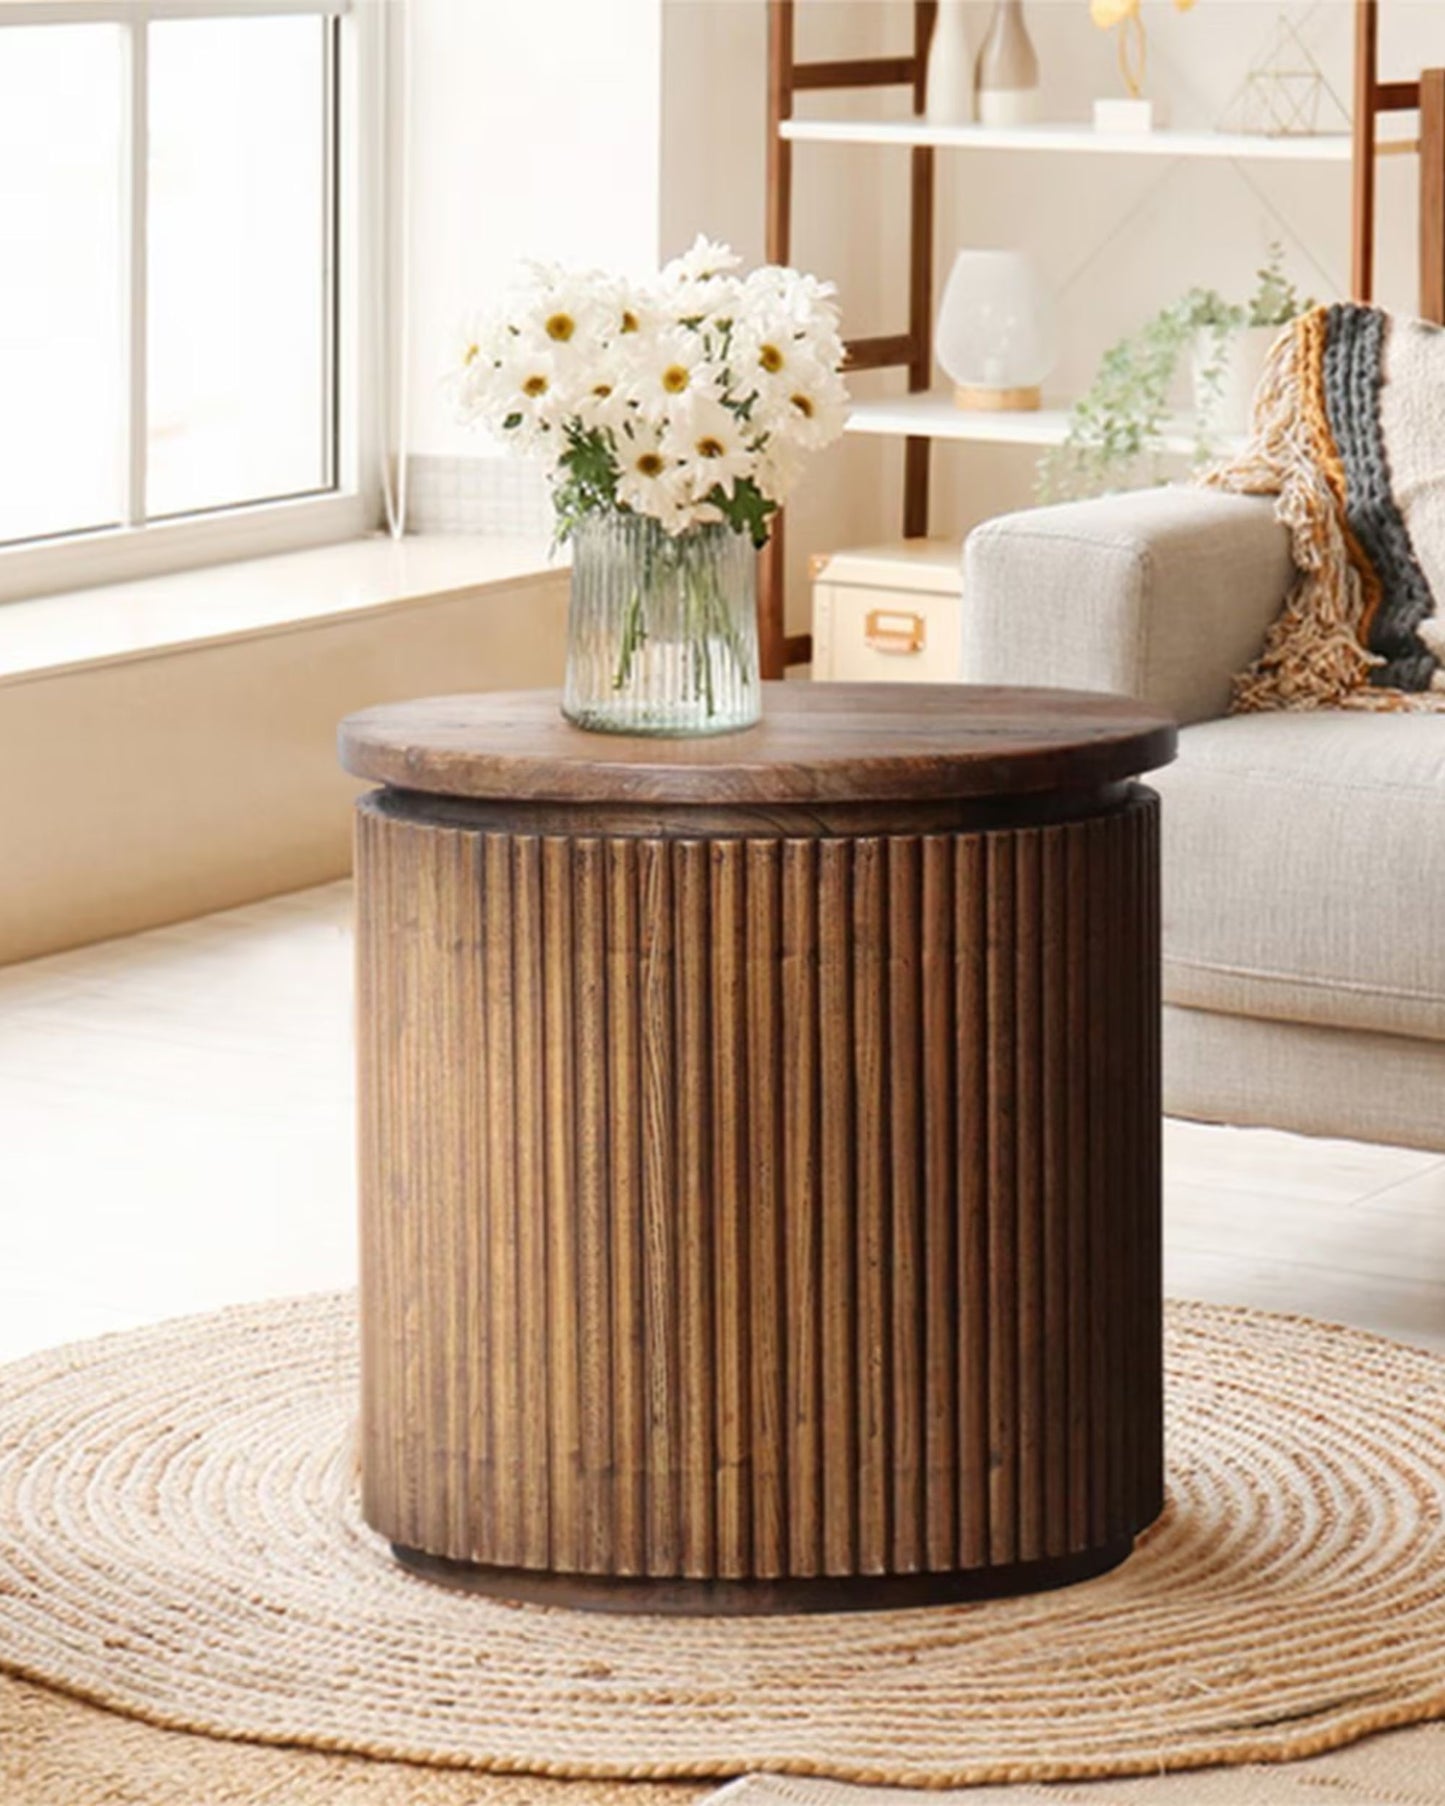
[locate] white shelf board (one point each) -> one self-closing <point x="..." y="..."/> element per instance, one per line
<point x="935" y="415"/>
<point x="1325" y="147"/>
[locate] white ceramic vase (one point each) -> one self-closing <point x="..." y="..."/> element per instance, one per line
<point x="1007" y="77"/>
<point x="949" y="89"/>
<point x="1227" y="365"/>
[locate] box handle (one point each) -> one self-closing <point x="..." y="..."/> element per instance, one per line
<point x="894" y="630"/>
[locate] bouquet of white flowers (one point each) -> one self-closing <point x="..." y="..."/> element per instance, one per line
<point x="690" y="400"/>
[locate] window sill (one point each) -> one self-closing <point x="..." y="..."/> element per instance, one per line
<point x="288" y="592"/>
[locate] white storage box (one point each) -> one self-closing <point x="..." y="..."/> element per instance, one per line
<point x="890" y="613"/>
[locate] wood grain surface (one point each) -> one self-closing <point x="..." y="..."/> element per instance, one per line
<point x="767" y="1209"/>
<point x="855" y="743"/>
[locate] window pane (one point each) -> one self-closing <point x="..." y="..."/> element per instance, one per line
<point x="238" y="262"/>
<point x="60" y="279"/>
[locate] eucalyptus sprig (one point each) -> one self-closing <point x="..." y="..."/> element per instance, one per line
<point x="1116" y="432"/>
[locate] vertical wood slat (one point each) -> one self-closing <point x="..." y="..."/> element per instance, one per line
<point x="694" y="1205"/>
<point x="871" y="1204"/>
<point x="1132" y="1163"/>
<point x="1003" y="1326"/>
<point x="528" y="1042"/>
<point x="1119" y="1250"/>
<point x="940" y="1202"/>
<point x="1057" y="1181"/>
<point x="1149" y="1355"/>
<point x="838" y="1245"/>
<point x="749" y="1247"/>
<point x="731" y="1265"/>
<point x="804" y="1199"/>
<point x="906" y="1265"/>
<point x="470" y="1211"/>
<point x="435" y="1295"/>
<point x="379" y="1268"/>
<point x="502" y="1279"/>
<point x="1028" y="1169"/>
<point x="973" y="1105"/>
<point x="768" y="1060"/>
<point x="659" y="1200"/>
<point x="1078" y="1139"/>
<point x="624" y="1127"/>
<point x="1100" y="979"/>
<point x="588" y="1130"/>
<point x="563" y="1313"/>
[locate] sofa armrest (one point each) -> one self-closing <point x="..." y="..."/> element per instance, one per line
<point x="1163" y="594"/>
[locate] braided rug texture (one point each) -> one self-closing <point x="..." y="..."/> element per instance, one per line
<point x="179" y="1540"/>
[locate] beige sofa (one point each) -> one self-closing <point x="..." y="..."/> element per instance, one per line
<point x="1304" y="854"/>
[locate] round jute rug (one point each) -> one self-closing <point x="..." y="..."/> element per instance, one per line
<point x="179" y="1540"/>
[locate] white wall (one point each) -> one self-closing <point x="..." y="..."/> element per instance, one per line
<point x="535" y="133"/>
<point x="613" y="130"/>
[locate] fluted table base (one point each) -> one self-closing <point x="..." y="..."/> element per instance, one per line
<point x="760" y="1213"/>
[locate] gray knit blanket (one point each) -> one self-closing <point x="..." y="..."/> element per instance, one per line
<point x="1349" y="435"/>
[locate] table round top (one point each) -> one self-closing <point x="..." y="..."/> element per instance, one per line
<point x="815" y="743"/>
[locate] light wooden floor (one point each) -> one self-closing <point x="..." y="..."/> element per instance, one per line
<point x="175" y="1134"/>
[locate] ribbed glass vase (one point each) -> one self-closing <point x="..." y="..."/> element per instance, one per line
<point x="663" y="632"/>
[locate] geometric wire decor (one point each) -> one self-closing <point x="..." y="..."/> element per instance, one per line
<point x="1284" y="92"/>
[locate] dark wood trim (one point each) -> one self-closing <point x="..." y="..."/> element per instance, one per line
<point x="779" y="149"/>
<point x="859" y="72"/>
<point x="915" y="487"/>
<point x="1397" y="97"/>
<point x="912" y="350"/>
<point x="917" y="451"/>
<point x="1362" y="225"/>
<point x="820" y="821"/>
<point x="885" y="352"/>
<point x="683" y="1598"/>
<point x="925" y="14"/>
<point x="772" y="624"/>
<point x="772" y="565"/>
<point x="1432" y="196"/>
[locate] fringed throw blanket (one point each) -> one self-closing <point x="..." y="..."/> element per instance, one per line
<point x="1349" y="433"/>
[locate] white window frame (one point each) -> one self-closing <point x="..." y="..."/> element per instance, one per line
<point x="139" y="548"/>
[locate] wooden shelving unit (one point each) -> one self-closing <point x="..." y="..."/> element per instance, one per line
<point x="1332" y="147"/>
<point x="933" y="415"/>
<point x="920" y="417"/>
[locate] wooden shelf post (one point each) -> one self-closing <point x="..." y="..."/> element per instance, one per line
<point x="911" y="350"/>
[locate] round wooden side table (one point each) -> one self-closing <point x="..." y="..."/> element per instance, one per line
<point x="760" y="1147"/>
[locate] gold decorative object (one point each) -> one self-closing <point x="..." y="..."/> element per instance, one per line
<point x="1283" y="94"/>
<point x="1124" y="16"/>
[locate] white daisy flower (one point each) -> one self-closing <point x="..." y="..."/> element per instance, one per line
<point x="672" y="368"/>
<point x="703" y="260"/>
<point x="633" y="316"/>
<point x="700" y="285"/>
<point x="710" y="442"/>
<point x="520" y="400"/>
<point x="692" y="383"/>
<point x="779" y="466"/>
<point x="565" y="309"/>
<point x="803" y="299"/>
<point x="810" y="408"/>
<point x="649" y="481"/>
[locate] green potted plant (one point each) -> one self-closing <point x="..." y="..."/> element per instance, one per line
<point x="1117" y="428"/>
<point x="1231" y="344"/>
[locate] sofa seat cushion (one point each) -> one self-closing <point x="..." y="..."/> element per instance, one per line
<point x="1304" y="870"/>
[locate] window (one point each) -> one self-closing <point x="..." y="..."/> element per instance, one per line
<point x="176" y="220"/>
